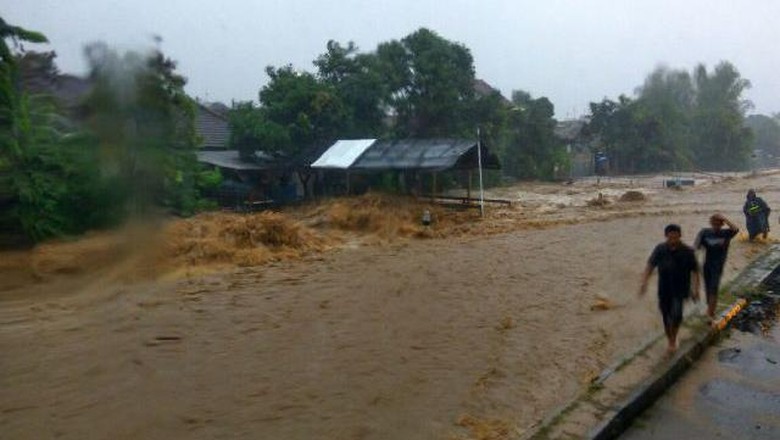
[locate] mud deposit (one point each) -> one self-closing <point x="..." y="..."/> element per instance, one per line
<point x="468" y="335"/>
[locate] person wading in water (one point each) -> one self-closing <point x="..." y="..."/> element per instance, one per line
<point x="756" y="215"/>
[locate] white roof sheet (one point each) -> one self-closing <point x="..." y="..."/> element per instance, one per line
<point x="343" y="154"/>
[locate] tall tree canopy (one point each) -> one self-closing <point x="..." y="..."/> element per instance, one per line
<point x="678" y="120"/>
<point x="532" y="150"/>
<point x="430" y="84"/>
<point x="722" y="140"/>
<point x="355" y="78"/>
<point x="312" y="112"/>
<point x="766" y="132"/>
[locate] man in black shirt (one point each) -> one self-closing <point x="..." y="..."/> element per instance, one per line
<point x="675" y="261"/>
<point x="715" y="242"/>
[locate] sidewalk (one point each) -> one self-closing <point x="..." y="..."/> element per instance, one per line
<point x="733" y="392"/>
<point x="623" y="391"/>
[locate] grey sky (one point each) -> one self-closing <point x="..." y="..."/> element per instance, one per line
<point x="573" y="51"/>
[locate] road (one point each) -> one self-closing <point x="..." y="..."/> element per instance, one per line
<point x="469" y="336"/>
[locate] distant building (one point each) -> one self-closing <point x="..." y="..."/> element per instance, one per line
<point x="482" y="89"/>
<point x="577" y="146"/>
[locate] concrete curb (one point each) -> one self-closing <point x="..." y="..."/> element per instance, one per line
<point x="651" y="389"/>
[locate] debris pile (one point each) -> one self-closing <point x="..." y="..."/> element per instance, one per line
<point x="387" y="216"/>
<point x="633" y="196"/>
<point x="241" y="239"/>
<point x="598" y="201"/>
<point x="759" y="315"/>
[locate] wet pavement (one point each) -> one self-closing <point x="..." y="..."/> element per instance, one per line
<point x="732" y="392"/>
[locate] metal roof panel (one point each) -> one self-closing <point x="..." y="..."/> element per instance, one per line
<point x="343" y="154"/>
<point x="414" y="154"/>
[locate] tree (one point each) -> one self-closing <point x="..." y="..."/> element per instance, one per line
<point x="250" y="131"/>
<point x="532" y="150"/>
<point x="677" y="121"/>
<point x="144" y="123"/>
<point x="298" y="113"/>
<point x="766" y="132"/>
<point x="722" y="140"/>
<point x="429" y="84"/>
<point x="663" y="114"/>
<point x="310" y="111"/>
<point x="357" y="81"/>
<point x="28" y="187"/>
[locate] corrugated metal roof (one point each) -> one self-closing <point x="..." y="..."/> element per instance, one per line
<point x="343" y="154"/>
<point x="424" y="154"/>
<point x="229" y="160"/>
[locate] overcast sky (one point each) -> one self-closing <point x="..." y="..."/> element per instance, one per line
<point x="573" y="51"/>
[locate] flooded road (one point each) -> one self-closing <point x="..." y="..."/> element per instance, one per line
<point x="468" y="337"/>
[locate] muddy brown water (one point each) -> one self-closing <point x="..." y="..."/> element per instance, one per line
<point x="396" y="341"/>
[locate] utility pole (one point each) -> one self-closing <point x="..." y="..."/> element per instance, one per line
<point x="479" y="164"/>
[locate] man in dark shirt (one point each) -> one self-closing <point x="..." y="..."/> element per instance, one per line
<point x="715" y="242"/>
<point x="675" y="261"/>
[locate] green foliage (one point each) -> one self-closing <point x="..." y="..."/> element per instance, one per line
<point x="250" y="131"/>
<point x="144" y="123"/>
<point x="429" y="84"/>
<point x="723" y="141"/>
<point x="38" y="181"/>
<point x="53" y="181"/>
<point x="677" y="121"/>
<point x="532" y="150"/>
<point x="766" y="131"/>
<point x="357" y="81"/>
<point x="419" y="86"/>
<point x="298" y="112"/>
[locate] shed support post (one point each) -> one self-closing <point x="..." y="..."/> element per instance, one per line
<point x="468" y="190"/>
<point x="433" y="188"/>
<point x="349" y="188"/>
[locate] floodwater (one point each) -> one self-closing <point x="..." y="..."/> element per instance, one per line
<point x="474" y="337"/>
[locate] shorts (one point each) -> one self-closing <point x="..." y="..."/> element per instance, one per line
<point x="671" y="307"/>
<point x="712" y="276"/>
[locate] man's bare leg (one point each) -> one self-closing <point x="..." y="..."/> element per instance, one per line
<point x="671" y="337"/>
<point x="712" y="304"/>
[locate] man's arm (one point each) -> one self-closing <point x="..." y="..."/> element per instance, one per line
<point x="730" y="224"/>
<point x="695" y="274"/>
<point x="697" y="242"/>
<point x="645" y="278"/>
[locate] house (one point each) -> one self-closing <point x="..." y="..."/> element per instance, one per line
<point x="577" y="146"/>
<point x="482" y="89"/>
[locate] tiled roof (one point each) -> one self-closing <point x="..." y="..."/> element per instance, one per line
<point x="483" y="89"/>
<point x="212" y="128"/>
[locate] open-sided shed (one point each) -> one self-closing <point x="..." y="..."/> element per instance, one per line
<point x="407" y="156"/>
